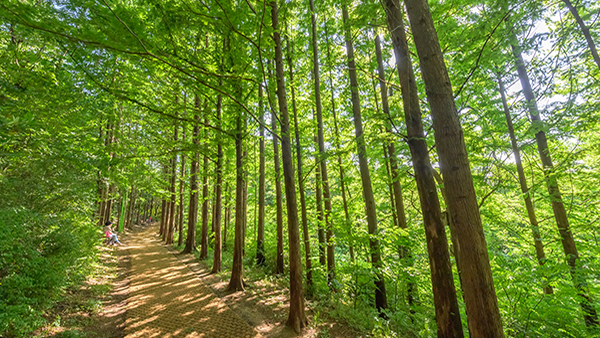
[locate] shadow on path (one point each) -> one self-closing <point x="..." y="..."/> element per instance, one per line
<point x="166" y="299"/>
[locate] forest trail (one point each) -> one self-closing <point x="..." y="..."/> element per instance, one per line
<point x="166" y="299"/>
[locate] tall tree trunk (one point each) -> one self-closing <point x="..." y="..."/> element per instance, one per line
<point x="217" y="210"/>
<point x="585" y="30"/>
<point x="137" y="217"/>
<point x="172" y="218"/>
<point x="537" y="237"/>
<point x="371" y="212"/>
<point x="320" y="216"/>
<point x="560" y="214"/>
<point x="236" y="282"/>
<point x="168" y="203"/>
<point x="386" y="159"/>
<point x="190" y="242"/>
<point x="99" y="182"/>
<point x="212" y="211"/>
<point x="260" y="234"/>
<point x="109" y="202"/>
<point x="204" y="235"/>
<point x="181" y="190"/>
<point x="245" y="196"/>
<point x="480" y="296"/>
<point x="164" y="209"/>
<point x="227" y="215"/>
<point x="120" y="209"/>
<point x="305" y="234"/>
<point x="163" y="213"/>
<point x="322" y="154"/>
<point x="110" y="189"/>
<point x="279" y="259"/>
<point x="348" y="222"/>
<point x="103" y="196"/>
<point x="297" y="318"/>
<point x="132" y="205"/>
<point x="405" y="252"/>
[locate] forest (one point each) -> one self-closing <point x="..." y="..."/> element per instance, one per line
<point x="418" y="168"/>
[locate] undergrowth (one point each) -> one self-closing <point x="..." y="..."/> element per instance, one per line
<point x="46" y="264"/>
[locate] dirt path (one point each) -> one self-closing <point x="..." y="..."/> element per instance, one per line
<point x="166" y="299"/>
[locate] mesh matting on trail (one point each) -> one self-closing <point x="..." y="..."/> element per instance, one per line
<point x="166" y="299"/>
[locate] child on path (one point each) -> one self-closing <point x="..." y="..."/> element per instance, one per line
<point x="112" y="237"/>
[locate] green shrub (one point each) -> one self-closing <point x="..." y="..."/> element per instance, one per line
<point x="40" y="257"/>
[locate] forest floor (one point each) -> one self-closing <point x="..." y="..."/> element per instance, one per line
<point x="264" y="304"/>
<point x="96" y="308"/>
<point x="148" y="289"/>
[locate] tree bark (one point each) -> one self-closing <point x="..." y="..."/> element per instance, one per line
<point x="297" y="318"/>
<point x="120" y="209"/>
<point x="369" y="198"/>
<point x="535" y="230"/>
<point x="172" y="218"/>
<point x="99" y="180"/>
<point x="236" y="282"/>
<point x="204" y="235"/>
<point x="480" y="296"/>
<point x="585" y="30"/>
<point x="217" y="210"/>
<point x="227" y="216"/>
<point x="305" y="234"/>
<point x="560" y="214"/>
<point x="322" y="154"/>
<point x="397" y="200"/>
<point x="245" y="197"/>
<point x="260" y="233"/>
<point x="279" y="269"/>
<point x="181" y="190"/>
<point x="348" y="222"/>
<point x="320" y="216"/>
<point x="164" y="209"/>
<point x="446" y="305"/>
<point x="386" y="159"/>
<point x="190" y="242"/>
<point x="109" y="202"/>
<point x="163" y="213"/>
<point x="132" y="205"/>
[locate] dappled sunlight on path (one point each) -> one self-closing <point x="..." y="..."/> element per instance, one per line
<point x="166" y="299"/>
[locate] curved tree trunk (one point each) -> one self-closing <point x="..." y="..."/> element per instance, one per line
<point x="369" y="198"/>
<point x="480" y="296"/>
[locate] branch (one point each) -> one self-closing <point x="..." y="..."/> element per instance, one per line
<point x="481" y="53"/>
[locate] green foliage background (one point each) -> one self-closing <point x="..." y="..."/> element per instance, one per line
<point x="70" y="67"/>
